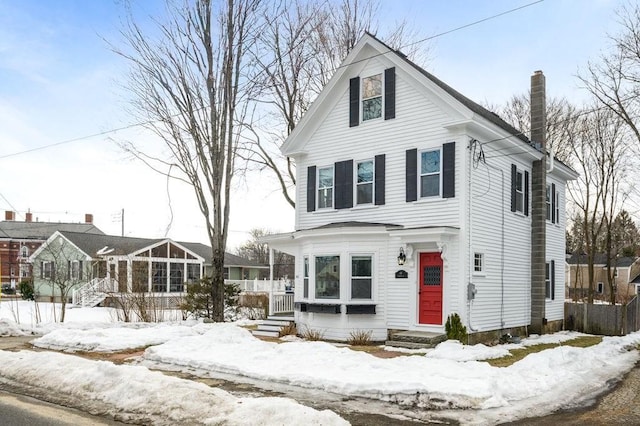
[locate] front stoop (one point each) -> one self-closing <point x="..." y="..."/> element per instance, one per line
<point x="272" y="325"/>
<point x="415" y="339"/>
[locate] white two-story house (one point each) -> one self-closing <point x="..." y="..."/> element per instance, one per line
<point x="415" y="203"/>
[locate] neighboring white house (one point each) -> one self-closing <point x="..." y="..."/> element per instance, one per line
<point x="415" y="203"/>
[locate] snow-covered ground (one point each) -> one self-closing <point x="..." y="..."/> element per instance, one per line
<point x="450" y="376"/>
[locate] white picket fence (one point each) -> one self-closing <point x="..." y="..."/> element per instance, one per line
<point x="280" y="292"/>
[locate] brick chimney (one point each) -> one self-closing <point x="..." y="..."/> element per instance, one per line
<point x="538" y="204"/>
<point x="28" y="217"/>
<point x="9" y="215"/>
<point x="88" y="218"/>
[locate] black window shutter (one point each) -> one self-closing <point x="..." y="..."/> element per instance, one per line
<point x="412" y="174"/>
<point x="554" y="219"/>
<point x="68" y="269"/>
<point x="311" y="188"/>
<point x="513" y="187"/>
<point x="389" y="93"/>
<point x="41" y="269"/>
<point x="526" y="193"/>
<point x="80" y="269"/>
<point x="344" y="184"/>
<point x="354" y="101"/>
<point x="449" y="170"/>
<point x="553" y="279"/>
<point x="379" y="179"/>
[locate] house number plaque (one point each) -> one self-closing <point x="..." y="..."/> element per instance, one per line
<point x="402" y="274"/>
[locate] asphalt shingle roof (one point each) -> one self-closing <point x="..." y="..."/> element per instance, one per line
<point x="600" y="259"/>
<point x="91" y="244"/>
<point x="43" y="230"/>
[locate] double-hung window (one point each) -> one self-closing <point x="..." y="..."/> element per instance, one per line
<point x="548" y="202"/>
<point x="327" y="276"/>
<point x="364" y="183"/>
<point x="430" y="172"/>
<point x="361" y="278"/>
<point x="24" y="252"/>
<point x="325" y="188"/>
<point x="557" y="206"/>
<point x="305" y="279"/>
<point x="519" y="192"/>
<point x="372" y="97"/>
<point x="478" y="262"/>
<point x="547" y="280"/>
<point x="47" y="270"/>
<point x="75" y="269"/>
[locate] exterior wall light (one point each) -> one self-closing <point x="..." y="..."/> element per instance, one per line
<point x="401" y="257"/>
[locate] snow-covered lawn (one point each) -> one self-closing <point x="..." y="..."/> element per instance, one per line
<point x="451" y="376"/>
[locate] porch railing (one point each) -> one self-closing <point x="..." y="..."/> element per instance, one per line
<point x="93" y="292"/>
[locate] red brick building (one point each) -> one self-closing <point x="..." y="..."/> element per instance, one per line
<point x="18" y="239"/>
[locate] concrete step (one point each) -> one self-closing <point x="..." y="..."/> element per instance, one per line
<point x="267" y="327"/>
<point x="265" y="333"/>
<point x="423" y="337"/>
<point x="409" y="345"/>
<point x="281" y="318"/>
<point x="275" y="323"/>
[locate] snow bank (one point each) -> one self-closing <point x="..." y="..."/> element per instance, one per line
<point x="133" y="393"/>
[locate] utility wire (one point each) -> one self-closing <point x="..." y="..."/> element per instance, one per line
<point x="81" y="138"/>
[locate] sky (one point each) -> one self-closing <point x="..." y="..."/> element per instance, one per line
<point x="60" y="88"/>
<point x="451" y="376"/>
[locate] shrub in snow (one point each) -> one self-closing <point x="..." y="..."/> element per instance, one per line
<point x="455" y="330"/>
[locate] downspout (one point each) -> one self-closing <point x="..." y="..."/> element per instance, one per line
<point x="470" y="284"/>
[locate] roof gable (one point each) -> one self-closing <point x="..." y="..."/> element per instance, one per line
<point x="370" y="48"/>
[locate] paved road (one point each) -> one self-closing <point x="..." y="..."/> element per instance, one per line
<point x="619" y="406"/>
<point x="19" y="410"/>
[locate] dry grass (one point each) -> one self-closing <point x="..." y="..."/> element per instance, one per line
<point x="360" y="338"/>
<point x="518" y="354"/>
<point x="312" y="335"/>
<point x="288" y="330"/>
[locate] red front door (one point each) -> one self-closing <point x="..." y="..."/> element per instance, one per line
<point x="430" y="291"/>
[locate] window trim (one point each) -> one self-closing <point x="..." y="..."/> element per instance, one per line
<point x="352" y="277"/>
<point x="332" y="187"/>
<point x="305" y="277"/>
<point x="600" y="287"/>
<point x="315" y="277"/>
<point x="521" y="191"/>
<point x="439" y="173"/>
<point x="363" y="99"/>
<point x="557" y="207"/>
<point x="357" y="184"/>
<point x="478" y="256"/>
<point x="548" y="204"/>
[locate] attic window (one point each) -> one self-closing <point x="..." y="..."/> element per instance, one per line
<point x="372" y="97"/>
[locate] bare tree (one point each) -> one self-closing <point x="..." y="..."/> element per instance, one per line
<point x="254" y="249"/>
<point x="597" y="149"/>
<point x="614" y="80"/>
<point x="560" y="120"/>
<point x="190" y="82"/>
<point x="62" y="268"/>
<point x="301" y="46"/>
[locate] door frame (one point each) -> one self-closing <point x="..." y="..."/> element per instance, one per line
<point x="418" y="285"/>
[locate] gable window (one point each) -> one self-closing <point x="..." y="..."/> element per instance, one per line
<point x="325" y="188"/>
<point x="364" y="184"/>
<point x="305" y="279"/>
<point x="75" y="272"/>
<point x="372" y="97"/>
<point x="47" y="270"/>
<point x="478" y="262"/>
<point x="327" y="277"/>
<point x="361" y="278"/>
<point x="430" y="170"/>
